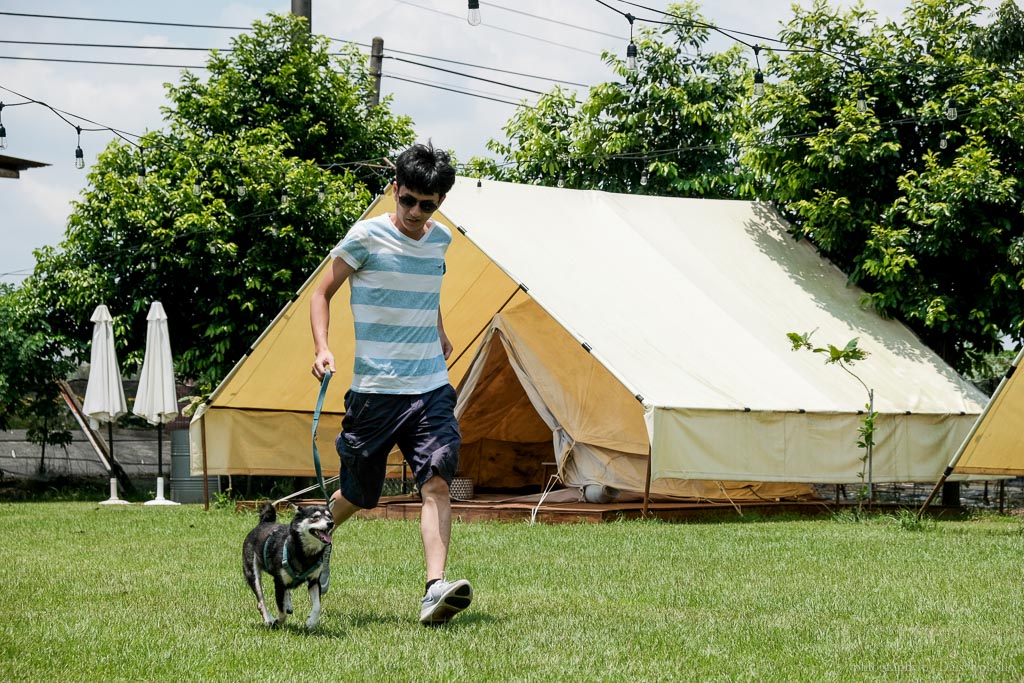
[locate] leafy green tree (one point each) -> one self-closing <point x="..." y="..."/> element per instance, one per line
<point x="919" y="204"/>
<point x="243" y="194"/>
<point x="31" y="364"/>
<point x="666" y="128"/>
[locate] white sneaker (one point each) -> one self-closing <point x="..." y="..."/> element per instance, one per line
<point x="444" y="600"/>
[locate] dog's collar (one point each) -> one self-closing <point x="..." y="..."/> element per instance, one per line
<point x="287" y="565"/>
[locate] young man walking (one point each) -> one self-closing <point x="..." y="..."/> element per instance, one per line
<point x="400" y="391"/>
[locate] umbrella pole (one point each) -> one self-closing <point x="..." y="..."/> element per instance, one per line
<point x="160" y="451"/>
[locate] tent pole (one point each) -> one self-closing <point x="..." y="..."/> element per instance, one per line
<point x="206" y="480"/>
<point x="970" y="435"/>
<point x="647" y="485"/>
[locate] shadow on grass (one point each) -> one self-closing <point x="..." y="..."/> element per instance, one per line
<point x="356" y="621"/>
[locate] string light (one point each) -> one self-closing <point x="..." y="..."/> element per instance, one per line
<point x="140" y="178"/>
<point x="758" y="76"/>
<point x="321" y="193"/>
<point x="3" y="131"/>
<point x="79" y="154"/>
<point x="561" y="181"/>
<point x="473" y="16"/>
<point x="284" y="198"/>
<point x="631" y="48"/>
<point x="862" y="102"/>
<point x="951" y="109"/>
<point x="643" y="177"/>
<point x="943" y="141"/>
<point x="240" y="189"/>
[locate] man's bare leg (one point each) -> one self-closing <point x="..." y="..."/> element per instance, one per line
<point x="435" y="525"/>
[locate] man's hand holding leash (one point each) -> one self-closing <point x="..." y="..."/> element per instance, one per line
<point x="324" y="362"/>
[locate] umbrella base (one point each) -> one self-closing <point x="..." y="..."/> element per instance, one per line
<point x="114" y="500"/>
<point x="160" y="500"/>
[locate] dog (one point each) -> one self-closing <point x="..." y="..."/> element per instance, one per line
<point x="293" y="554"/>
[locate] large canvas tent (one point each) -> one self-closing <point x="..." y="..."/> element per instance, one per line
<point x="625" y="339"/>
<point x="994" y="446"/>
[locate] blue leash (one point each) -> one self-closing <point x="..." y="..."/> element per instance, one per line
<point x="316" y="420"/>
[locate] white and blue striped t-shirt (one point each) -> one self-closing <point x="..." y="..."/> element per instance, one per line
<point x="396" y="291"/>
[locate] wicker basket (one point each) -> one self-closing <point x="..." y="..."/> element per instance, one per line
<point x="462" y="488"/>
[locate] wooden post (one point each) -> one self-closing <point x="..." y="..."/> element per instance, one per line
<point x="206" y="478"/>
<point x="376" y="69"/>
<point x="647" y="484"/>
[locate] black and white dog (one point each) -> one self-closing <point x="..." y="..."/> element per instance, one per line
<point x="292" y="554"/>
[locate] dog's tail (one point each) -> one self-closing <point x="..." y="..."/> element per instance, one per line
<point x="268" y="515"/>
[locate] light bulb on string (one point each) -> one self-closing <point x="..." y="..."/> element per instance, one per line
<point x="631" y="48"/>
<point x="473" y="16"/>
<point x="943" y="141"/>
<point x="631" y="56"/>
<point x="862" y="102"/>
<point x="240" y="189"/>
<point x="758" y="75"/>
<point x="321" y="194"/>
<point x="643" y="177"/>
<point x="951" y="110"/>
<point x="284" y="198"/>
<point x="561" y="181"/>
<point x="140" y="178"/>
<point x="197" y="189"/>
<point x="3" y="131"/>
<point x="79" y="154"/>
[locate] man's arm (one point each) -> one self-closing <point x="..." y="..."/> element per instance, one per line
<point x="320" y="314"/>
<point x="446" y="346"/>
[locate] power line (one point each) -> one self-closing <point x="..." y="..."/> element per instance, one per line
<point x="554" y="21"/>
<point x="500" y="28"/>
<point x="461" y="92"/>
<point x="471" y="64"/>
<point x="94" y="61"/>
<point x="132" y="47"/>
<point x="505" y="97"/>
<point x="125" y="21"/>
<point x="220" y="49"/>
<point x="459" y="73"/>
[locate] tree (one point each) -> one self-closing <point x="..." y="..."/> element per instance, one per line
<point x="243" y="195"/>
<point x="915" y="195"/>
<point x="666" y="128"/>
<point x="31" y="363"/>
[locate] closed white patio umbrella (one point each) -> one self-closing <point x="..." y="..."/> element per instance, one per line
<point x="104" y="394"/>
<point x="157" y="400"/>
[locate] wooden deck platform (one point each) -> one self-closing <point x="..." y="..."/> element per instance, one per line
<point x="498" y="508"/>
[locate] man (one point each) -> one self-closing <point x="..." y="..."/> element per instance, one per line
<point x="400" y="391"/>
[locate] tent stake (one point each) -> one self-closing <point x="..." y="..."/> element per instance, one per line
<point x="647" y="484"/>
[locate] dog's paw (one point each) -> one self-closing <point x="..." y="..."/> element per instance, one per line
<point x="312" y="623"/>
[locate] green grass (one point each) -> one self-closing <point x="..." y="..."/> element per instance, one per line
<point x="92" y="593"/>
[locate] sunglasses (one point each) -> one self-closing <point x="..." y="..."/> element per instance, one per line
<point x="426" y="205"/>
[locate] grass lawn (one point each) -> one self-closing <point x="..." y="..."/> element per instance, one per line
<point x="96" y="593"/>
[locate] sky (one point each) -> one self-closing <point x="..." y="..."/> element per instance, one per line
<point x="552" y="40"/>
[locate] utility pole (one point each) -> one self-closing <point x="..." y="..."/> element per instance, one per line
<point x="376" y="63"/>
<point x="304" y="8"/>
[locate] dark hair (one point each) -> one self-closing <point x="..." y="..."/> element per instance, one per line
<point x="425" y="170"/>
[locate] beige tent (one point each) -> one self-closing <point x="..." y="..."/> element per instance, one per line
<point x="994" y="446"/>
<point x="623" y="339"/>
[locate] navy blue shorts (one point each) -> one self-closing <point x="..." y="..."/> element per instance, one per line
<point x="422" y="425"/>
